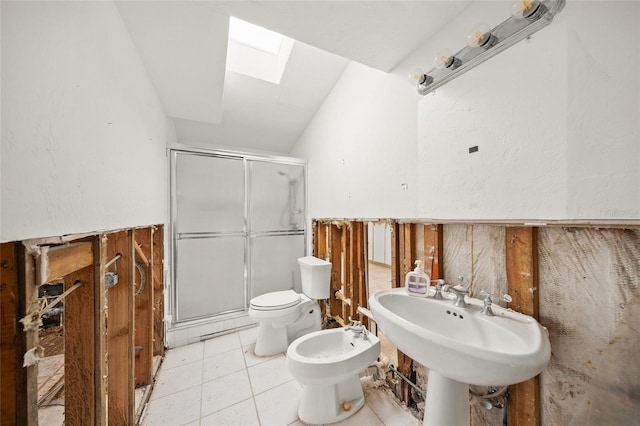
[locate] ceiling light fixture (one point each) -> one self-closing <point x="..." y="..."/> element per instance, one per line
<point x="527" y="17"/>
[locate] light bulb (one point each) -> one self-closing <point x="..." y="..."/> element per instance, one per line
<point x="444" y="59"/>
<point x="524" y="8"/>
<point x="479" y="36"/>
<point x="417" y="77"/>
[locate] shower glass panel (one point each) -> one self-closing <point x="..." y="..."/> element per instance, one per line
<point x="277" y="197"/>
<point x="274" y="263"/>
<point x="208" y="210"/>
<point x="210" y="273"/>
<point x="210" y="194"/>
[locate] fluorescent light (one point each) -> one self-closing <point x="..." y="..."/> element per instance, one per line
<point x="254" y="36"/>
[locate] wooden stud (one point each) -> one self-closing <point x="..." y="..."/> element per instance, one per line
<point x="433" y="251"/>
<point x="100" y="328"/>
<point x="12" y="411"/>
<point x="58" y="261"/>
<point x="335" y="257"/>
<point x="80" y="349"/>
<point x="120" y="328"/>
<point x="395" y="253"/>
<point x="522" y="283"/>
<point x="157" y="256"/>
<point x="143" y="335"/>
<point x="320" y="251"/>
<point x="403" y="256"/>
<point x="28" y="294"/>
<point x="359" y="293"/>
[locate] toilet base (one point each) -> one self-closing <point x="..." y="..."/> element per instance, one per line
<point x="324" y="404"/>
<point x="270" y="341"/>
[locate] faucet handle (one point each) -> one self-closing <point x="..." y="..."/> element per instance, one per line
<point x="355" y="323"/>
<point x="488" y="297"/>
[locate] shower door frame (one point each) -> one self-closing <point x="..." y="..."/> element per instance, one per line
<point x="246" y="158"/>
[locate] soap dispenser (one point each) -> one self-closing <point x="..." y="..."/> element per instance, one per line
<point x="417" y="282"/>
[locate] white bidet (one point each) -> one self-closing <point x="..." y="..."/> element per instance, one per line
<point x="327" y="364"/>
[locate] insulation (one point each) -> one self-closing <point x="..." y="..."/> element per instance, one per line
<point x="589" y="282"/>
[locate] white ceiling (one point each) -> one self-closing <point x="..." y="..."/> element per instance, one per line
<point x="183" y="45"/>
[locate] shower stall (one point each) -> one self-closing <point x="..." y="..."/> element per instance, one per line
<point x="238" y="225"/>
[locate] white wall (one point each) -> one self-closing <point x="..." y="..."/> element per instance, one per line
<point x="83" y="133"/>
<point x="361" y="147"/>
<point x="556" y="120"/>
<point x="554" y="117"/>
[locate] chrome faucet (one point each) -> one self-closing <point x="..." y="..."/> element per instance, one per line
<point x="359" y="330"/>
<point x="459" y="292"/>
<point x="439" y="285"/>
<point x="486" y="309"/>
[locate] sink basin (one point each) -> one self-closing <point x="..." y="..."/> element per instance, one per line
<point x="460" y="346"/>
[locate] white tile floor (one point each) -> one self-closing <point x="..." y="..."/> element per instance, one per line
<point x="221" y="382"/>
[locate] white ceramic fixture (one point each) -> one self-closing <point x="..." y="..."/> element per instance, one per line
<point x="327" y="364"/>
<point x="460" y="346"/>
<point x="286" y="315"/>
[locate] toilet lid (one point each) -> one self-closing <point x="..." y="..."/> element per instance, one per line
<point x="276" y="300"/>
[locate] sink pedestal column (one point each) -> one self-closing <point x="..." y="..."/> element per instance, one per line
<point x="447" y="402"/>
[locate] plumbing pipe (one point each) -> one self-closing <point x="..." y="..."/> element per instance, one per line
<point x="406" y="379"/>
<point x="340" y="296"/>
<point x="366" y="312"/>
<point x="490" y="395"/>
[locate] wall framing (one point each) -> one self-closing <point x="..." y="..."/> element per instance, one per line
<point x="101" y="324"/>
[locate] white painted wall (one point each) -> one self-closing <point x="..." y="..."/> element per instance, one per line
<point x="361" y="147"/>
<point x="556" y="119"/>
<point x="83" y="133"/>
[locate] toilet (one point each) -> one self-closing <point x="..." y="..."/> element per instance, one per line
<point x="283" y="316"/>
<point x="327" y="364"/>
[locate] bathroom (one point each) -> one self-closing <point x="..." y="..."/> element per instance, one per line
<point x="85" y="148"/>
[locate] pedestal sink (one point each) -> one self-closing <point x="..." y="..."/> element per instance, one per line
<point x="460" y="346"/>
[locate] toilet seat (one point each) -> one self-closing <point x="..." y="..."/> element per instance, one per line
<point x="275" y="301"/>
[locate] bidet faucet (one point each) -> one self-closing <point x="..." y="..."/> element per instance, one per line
<point x="358" y="329"/>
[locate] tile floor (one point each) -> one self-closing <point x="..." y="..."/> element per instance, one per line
<point x="221" y="382"/>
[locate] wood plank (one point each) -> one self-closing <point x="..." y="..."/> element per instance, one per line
<point x="433" y="251"/>
<point x="404" y="245"/>
<point x="521" y="253"/>
<point x="60" y="261"/>
<point x="28" y="291"/>
<point x="143" y="307"/>
<point x="157" y="260"/>
<point x="319" y="230"/>
<point x="395" y="255"/>
<point x="358" y="296"/>
<point x="347" y="285"/>
<point x="120" y="328"/>
<point x="10" y="337"/>
<point x="80" y="349"/>
<point x="335" y="257"/>
<point x="100" y="329"/>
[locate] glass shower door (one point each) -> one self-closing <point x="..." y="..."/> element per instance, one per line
<point x="277" y="202"/>
<point x="208" y="213"/>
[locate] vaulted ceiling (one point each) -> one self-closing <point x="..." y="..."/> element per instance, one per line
<point x="183" y="45"/>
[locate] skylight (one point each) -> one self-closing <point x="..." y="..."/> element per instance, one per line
<point x="254" y="36"/>
<point x="257" y="52"/>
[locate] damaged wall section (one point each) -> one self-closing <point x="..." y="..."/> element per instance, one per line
<point x="590" y="303"/>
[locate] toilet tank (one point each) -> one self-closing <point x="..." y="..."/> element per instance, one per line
<point x="316" y="277"/>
